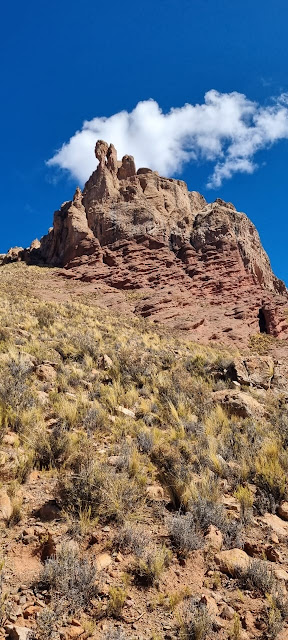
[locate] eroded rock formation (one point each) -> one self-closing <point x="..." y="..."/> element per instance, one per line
<point x="196" y="266"/>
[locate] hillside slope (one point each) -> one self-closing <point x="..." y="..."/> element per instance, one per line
<point x="144" y="477"/>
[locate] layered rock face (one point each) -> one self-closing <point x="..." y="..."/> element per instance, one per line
<point x="195" y="266"/>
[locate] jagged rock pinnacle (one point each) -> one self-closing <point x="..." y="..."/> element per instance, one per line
<point x="201" y="267"/>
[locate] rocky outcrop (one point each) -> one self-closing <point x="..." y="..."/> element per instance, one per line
<point x="198" y="267"/>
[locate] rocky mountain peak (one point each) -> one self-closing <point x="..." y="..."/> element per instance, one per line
<point x="197" y="266"/>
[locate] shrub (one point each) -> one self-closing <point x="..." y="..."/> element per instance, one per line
<point x="25" y="466"/>
<point x="52" y="448"/>
<point x="70" y="578"/>
<point x="150" y="564"/>
<point x="270" y="474"/>
<point x="196" y="622"/>
<point x="183" y="534"/>
<point x="258" y="576"/>
<point x="16" y="514"/>
<point x="45" y="315"/>
<point x="95" y="420"/>
<point x="205" y="513"/>
<point x="131" y="539"/>
<point x="115" y="634"/>
<point x="145" y="441"/>
<point x="174" y="471"/>
<point x="117" y="599"/>
<point x="236" y="628"/>
<point x="273" y="619"/>
<point x="245" y="498"/>
<point x="15" y="392"/>
<point x="46" y="624"/>
<point x="100" y="489"/>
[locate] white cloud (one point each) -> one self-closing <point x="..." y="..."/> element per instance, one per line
<point x="227" y="130"/>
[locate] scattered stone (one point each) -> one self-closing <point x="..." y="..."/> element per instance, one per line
<point x="230" y="503"/>
<point x="29" y="539"/>
<point x="103" y="561"/>
<point x="115" y="461"/>
<point x="248" y="621"/>
<point x="94" y="538"/>
<point x="28" y="531"/>
<point x="30" y="611"/>
<point x="75" y="631"/>
<point x="155" y="492"/>
<point x="272" y="554"/>
<point x="76" y="623"/>
<point x="227" y="612"/>
<point x="253" y="549"/>
<point x="106" y="362"/>
<point x="126" y="412"/>
<point x="119" y="557"/>
<point x="281" y="574"/>
<point x="10" y="439"/>
<point x="210" y="603"/>
<point x="5" y="505"/>
<point x="274" y="538"/>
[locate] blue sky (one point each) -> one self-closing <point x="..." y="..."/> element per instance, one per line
<point x="66" y="62"/>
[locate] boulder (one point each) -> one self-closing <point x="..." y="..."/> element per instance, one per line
<point x="31" y="611"/>
<point x="213" y="539"/>
<point x="238" y="403"/>
<point x="106" y="362"/>
<point x="272" y="554"/>
<point x="254" y="370"/>
<point x="49" y="511"/>
<point x="230" y="561"/>
<point x="15" y="254"/>
<point x="227" y="612"/>
<point x="281" y="574"/>
<point x="18" y="633"/>
<point x="46" y="373"/>
<point x="278" y="526"/>
<point x="282" y="510"/>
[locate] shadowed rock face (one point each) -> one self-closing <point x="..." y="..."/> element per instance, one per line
<point x="196" y="266"/>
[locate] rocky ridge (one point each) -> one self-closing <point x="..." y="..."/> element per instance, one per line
<point x="196" y="266"/>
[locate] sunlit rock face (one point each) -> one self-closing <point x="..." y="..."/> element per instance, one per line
<point x="197" y="267"/>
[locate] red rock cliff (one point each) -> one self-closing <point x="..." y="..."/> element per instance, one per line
<point x="197" y="266"/>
